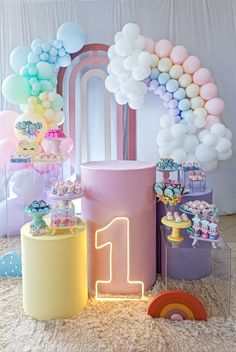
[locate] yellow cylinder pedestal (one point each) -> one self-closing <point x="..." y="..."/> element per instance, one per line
<point x="54" y="273"/>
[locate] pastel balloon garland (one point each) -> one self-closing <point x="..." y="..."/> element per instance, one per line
<point x="33" y="85"/>
<point x="191" y="131"/>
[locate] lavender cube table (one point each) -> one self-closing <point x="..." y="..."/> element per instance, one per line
<point x="201" y="271"/>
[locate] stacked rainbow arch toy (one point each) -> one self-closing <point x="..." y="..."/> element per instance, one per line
<point x="192" y="129"/>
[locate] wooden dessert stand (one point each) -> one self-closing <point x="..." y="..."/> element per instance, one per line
<point x="176" y="227"/>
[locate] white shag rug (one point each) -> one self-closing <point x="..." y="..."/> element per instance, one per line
<point x="116" y="326"/>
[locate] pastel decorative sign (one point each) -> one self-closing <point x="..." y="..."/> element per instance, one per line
<point x="119" y="261"/>
<point x="192" y="129"/>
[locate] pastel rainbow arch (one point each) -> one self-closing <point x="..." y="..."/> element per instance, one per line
<point x="177" y="305"/>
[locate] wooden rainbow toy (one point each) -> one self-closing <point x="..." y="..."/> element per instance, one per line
<point x="177" y="305"/>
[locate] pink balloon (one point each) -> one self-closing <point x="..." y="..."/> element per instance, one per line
<point x="163" y="48"/>
<point x="202" y="76"/>
<point x="7" y="122"/>
<point x="214" y="106"/>
<point x="178" y="54"/>
<point x="150" y="45"/>
<point x="211" y="120"/>
<point x="66" y="146"/>
<point x="209" y="91"/>
<point x="7" y="149"/>
<point x="46" y="145"/>
<point x="191" y="64"/>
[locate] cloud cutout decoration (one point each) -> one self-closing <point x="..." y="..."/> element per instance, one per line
<point x="10" y="264"/>
<point x="138" y="64"/>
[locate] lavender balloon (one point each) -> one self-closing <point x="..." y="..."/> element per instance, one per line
<point x="165" y="104"/>
<point x="160" y="90"/>
<point x="173" y="103"/>
<point x="167" y="97"/>
<point x="177" y="118"/>
<point x="153" y="85"/>
<point x="174" y="112"/>
<point x="147" y="81"/>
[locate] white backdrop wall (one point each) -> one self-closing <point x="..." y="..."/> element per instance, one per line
<point x="206" y="27"/>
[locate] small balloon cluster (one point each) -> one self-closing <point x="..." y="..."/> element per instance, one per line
<point x="138" y="64"/>
<point x="33" y="86"/>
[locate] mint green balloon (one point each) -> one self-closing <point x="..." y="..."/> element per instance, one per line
<point x="16" y="89"/>
<point x="57" y="104"/>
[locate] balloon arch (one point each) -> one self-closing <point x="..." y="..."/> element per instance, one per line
<point x="192" y="129"/>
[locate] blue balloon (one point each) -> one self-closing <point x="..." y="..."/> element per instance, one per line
<point x="179" y="94"/>
<point x="33" y="58"/>
<point x="72" y="37"/>
<point x="45" y="47"/>
<point x="52" y="59"/>
<point x="184" y="104"/>
<point x="154" y="73"/>
<point x="53" y="51"/>
<point x="64" y="61"/>
<point x="185" y="113"/>
<point x="18" y="57"/>
<point x="36" y="42"/>
<point x="37" y="50"/>
<point x="61" y="52"/>
<point x="58" y="44"/>
<point x="163" y="78"/>
<point x="172" y="85"/>
<point x="44" y="56"/>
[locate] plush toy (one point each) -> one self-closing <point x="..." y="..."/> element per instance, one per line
<point x="25" y="148"/>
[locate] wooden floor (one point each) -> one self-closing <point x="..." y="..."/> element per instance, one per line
<point x="228" y="227"/>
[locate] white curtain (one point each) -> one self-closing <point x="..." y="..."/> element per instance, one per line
<point x="206" y="27"/>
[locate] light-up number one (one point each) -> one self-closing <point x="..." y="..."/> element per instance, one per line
<point x="116" y="235"/>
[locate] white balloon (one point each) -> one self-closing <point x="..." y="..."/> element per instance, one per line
<point x="209" y="166"/>
<point x="118" y="36"/>
<point x="163" y="137"/>
<point x="165" y="151"/>
<point x="112" y="84"/>
<point x="123" y="47"/>
<point x="142" y="87"/>
<point x="223" y="145"/>
<point x="178" y="130"/>
<point x="133" y="91"/>
<point x="167" y="121"/>
<point x="141" y="72"/>
<point x="190" y="143"/>
<point x="190" y="128"/>
<point x="111" y="52"/>
<point x="109" y="69"/>
<point x="145" y="58"/>
<point x="121" y="98"/>
<point x="189" y="117"/>
<point x="131" y="31"/>
<point x="218" y="129"/>
<point x="176" y="142"/>
<point x="140" y="42"/>
<point x="210" y="139"/>
<point x="116" y="65"/>
<point x="179" y="155"/>
<point x="130" y="62"/>
<point x="123" y="78"/>
<point x="205" y="154"/>
<point x="192" y="158"/>
<point x="136" y="104"/>
<point x="199" y="122"/>
<point x="59" y="117"/>
<point x="202" y="134"/>
<point x="228" y="133"/>
<point x="224" y="156"/>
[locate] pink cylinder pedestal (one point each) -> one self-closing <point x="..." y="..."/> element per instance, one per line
<point x="119" y="207"/>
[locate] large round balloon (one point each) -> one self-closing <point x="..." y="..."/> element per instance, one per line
<point x="72" y="36"/>
<point x="7" y="148"/>
<point x="30" y="127"/>
<point x="18" y="57"/>
<point x="16" y="89"/>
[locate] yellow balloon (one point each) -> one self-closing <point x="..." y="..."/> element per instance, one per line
<point x="30" y="127"/>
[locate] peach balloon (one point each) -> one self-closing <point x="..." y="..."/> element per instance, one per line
<point x="209" y="91"/>
<point x="214" y="106"/>
<point x="163" y="48"/>
<point x="150" y="45"/>
<point x="211" y="120"/>
<point x="191" y="64"/>
<point x="202" y="76"/>
<point x="178" y="54"/>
